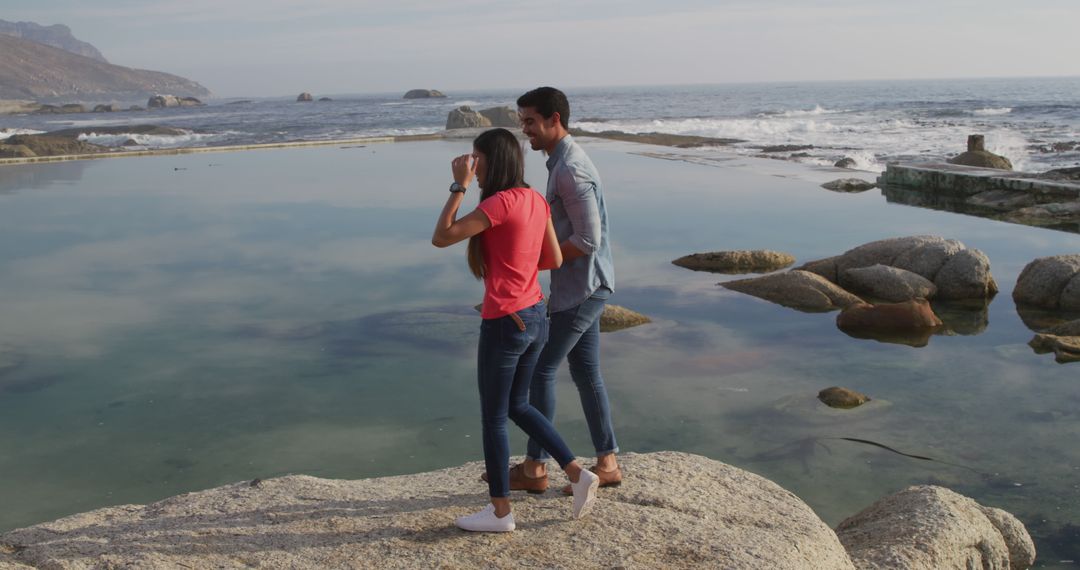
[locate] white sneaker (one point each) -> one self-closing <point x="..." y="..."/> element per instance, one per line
<point x="585" y="492"/>
<point x="486" y="521"/>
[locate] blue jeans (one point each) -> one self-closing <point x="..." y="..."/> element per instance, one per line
<point x="575" y="336"/>
<point x="506" y="360"/>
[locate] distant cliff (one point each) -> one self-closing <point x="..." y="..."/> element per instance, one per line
<point x="30" y="70"/>
<point x="57" y="36"/>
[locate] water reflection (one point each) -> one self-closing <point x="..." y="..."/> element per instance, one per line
<point x="998" y="206"/>
<point x="14" y="178"/>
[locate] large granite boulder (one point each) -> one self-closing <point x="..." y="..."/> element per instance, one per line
<point x="910" y="322"/>
<point x="933" y="528"/>
<point x="888" y="283"/>
<point x="107" y="108"/>
<point x="797" y="289"/>
<point x="1050" y="282"/>
<point x="957" y="271"/>
<point x="304" y="97"/>
<point x="423" y="94"/>
<point x="505" y="117"/>
<point x="737" y="261"/>
<point x="674" y="510"/>
<point x="465" y="118"/>
<point x="163" y="101"/>
<point x="977" y="155"/>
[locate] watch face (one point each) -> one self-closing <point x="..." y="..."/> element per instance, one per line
<point x="455" y="187"/>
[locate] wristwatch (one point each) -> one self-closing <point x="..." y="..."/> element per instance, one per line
<point x="455" y="187"/>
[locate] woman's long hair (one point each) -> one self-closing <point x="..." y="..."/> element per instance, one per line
<point x="505" y="169"/>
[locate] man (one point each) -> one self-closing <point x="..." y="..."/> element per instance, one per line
<point x="579" y="288"/>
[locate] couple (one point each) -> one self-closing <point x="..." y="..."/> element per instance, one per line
<point x="513" y="234"/>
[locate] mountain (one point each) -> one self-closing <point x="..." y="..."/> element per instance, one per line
<point x="30" y="70"/>
<point x="57" y="36"/>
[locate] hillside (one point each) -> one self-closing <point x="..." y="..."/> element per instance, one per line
<point x="57" y="36"/>
<point x="29" y="70"/>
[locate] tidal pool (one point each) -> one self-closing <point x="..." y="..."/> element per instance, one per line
<point x="174" y="323"/>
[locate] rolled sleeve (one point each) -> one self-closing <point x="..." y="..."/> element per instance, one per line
<point x="579" y="198"/>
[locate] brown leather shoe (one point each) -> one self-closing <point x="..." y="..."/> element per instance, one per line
<point x="611" y="478"/>
<point x="519" y="481"/>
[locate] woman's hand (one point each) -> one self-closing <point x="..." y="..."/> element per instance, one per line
<point x="464" y="168"/>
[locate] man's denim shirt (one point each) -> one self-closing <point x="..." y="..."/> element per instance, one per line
<point x="579" y="215"/>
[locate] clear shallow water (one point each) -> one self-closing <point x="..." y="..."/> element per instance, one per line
<point x="870" y="122"/>
<point x="176" y="323"/>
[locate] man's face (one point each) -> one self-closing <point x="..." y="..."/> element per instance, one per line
<point x="541" y="132"/>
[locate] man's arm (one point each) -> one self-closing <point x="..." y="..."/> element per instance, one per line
<point x="579" y="199"/>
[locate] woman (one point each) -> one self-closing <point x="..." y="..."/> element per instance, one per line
<point x="511" y="239"/>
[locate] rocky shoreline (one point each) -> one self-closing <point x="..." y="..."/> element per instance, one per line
<point x="675" y="510"/>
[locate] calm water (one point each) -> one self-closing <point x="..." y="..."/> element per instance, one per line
<point x="175" y="323"/>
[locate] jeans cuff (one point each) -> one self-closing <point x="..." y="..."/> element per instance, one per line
<point x="614" y="450"/>
<point x="536" y="459"/>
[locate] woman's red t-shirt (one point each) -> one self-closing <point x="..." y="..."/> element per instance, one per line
<point x="511" y="248"/>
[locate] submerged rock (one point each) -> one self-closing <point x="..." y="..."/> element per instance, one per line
<point x="929" y="527"/>
<point x="1050" y="282"/>
<point x="615" y="318"/>
<point x="1065" y="348"/>
<point x="848" y="185"/>
<point x="738" y="261"/>
<point x="797" y="289"/>
<point x="911" y="322"/>
<point x="838" y="397"/>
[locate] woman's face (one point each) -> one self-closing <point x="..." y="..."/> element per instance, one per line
<point x="481" y="167"/>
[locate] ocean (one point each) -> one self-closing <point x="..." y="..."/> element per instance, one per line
<point x="1034" y="122"/>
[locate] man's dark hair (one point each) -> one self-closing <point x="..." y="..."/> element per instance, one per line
<point x="547" y="101"/>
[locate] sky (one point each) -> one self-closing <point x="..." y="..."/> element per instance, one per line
<point x="239" y="48"/>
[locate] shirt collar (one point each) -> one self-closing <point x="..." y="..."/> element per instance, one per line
<point x="559" y="151"/>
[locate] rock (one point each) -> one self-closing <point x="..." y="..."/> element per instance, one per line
<point x="325" y="99"/>
<point x="190" y="102"/>
<point x="131" y="142"/>
<point x="1065" y="174"/>
<point x="913" y="314"/>
<point x="726" y="518"/>
<point x="465" y="118"/>
<point x="977" y="155"/>
<point x="304" y="97"/>
<point x="1050" y="282"/>
<point x="845" y="163"/>
<point x="61" y="110"/>
<point x="848" y="185"/>
<point x="422" y="94"/>
<point x="981" y="159"/>
<point x="837" y="397"/>
<point x="786" y="147"/>
<point x="967" y="274"/>
<point x="738" y="261"/>
<point x="110" y="108"/>
<point x="1065" y="348"/>
<point x="502" y="117"/>
<point x="615" y="318"/>
<point x="823" y="267"/>
<point x="47" y="145"/>
<point x="118" y="130"/>
<point x="16" y="151"/>
<point x="928" y="527"/>
<point x="797" y="289"/>
<point x="164" y="101"/>
<point x="888" y="283"/>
